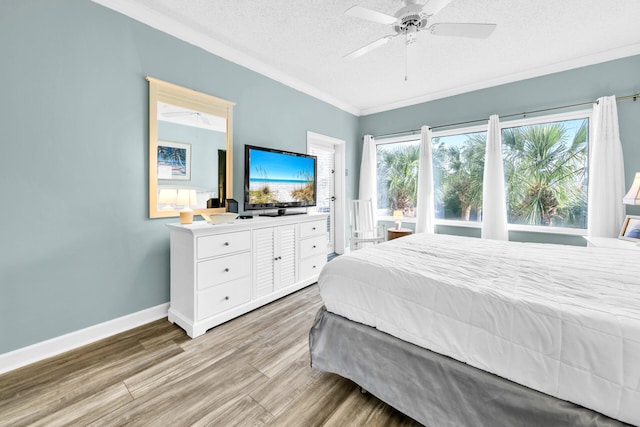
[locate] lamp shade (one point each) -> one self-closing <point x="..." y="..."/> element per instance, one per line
<point x="167" y="196"/>
<point x="633" y="195"/>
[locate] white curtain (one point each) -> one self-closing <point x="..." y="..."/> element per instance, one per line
<point x="494" y="201"/>
<point x="606" y="172"/>
<point x="425" y="204"/>
<point x="367" y="188"/>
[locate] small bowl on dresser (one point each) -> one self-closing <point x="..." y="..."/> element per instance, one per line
<point x="220" y="218"/>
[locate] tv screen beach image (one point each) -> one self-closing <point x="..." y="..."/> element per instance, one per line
<point x="280" y="177"/>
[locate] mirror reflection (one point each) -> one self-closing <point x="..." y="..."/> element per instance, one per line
<point x="191" y="156"/>
<point x="189" y="151"/>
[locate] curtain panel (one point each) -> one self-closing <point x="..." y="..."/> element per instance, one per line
<point x="425" y="204"/>
<point x="494" y="200"/>
<point x="606" y="212"/>
<point x="367" y="189"/>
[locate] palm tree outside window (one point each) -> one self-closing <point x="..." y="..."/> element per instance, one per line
<point x="545" y="163"/>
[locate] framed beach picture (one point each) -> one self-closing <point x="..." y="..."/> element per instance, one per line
<point x="630" y="228"/>
<point x="174" y="160"/>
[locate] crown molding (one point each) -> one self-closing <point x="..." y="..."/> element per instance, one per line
<point x="172" y="27"/>
<point x="176" y="29"/>
<point x="583" y="61"/>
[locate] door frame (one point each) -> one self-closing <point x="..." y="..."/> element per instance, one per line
<point x="339" y="183"/>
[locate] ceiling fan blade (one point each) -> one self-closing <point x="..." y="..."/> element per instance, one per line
<point x="478" y="31"/>
<point x="434" y="6"/>
<point x="369" y="47"/>
<point x="370" y="15"/>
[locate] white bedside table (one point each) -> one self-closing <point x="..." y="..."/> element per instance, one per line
<point x="610" y="242"/>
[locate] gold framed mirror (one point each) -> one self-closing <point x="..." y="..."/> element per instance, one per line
<point x="190" y="150"/>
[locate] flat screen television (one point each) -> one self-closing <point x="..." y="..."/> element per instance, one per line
<point x="277" y="179"/>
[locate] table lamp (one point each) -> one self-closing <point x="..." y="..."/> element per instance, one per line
<point x="186" y="199"/>
<point x="633" y="195"/>
<point x="397" y="217"/>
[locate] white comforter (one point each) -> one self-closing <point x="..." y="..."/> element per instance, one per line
<point x="559" y="319"/>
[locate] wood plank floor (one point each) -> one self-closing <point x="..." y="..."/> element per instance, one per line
<point x="251" y="371"/>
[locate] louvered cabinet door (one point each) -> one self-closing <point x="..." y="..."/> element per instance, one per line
<point x="285" y="266"/>
<point x="263" y="267"/>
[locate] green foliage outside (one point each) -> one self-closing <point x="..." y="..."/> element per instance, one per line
<point x="545" y="170"/>
<point x="459" y="169"/>
<point x="398" y="174"/>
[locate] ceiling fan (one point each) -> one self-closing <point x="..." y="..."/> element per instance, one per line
<point x="412" y="18"/>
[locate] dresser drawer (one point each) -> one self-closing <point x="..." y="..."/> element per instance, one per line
<point x="223" y="269"/>
<point x="313" y="228"/>
<point x="312" y="266"/>
<point x="222" y="244"/>
<point x="220" y="298"/>
<point x="313" y="246"/>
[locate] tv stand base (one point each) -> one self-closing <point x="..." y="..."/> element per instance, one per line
<point x="283" y="212"/>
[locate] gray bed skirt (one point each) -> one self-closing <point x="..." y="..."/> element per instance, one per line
<point x="431" y="388"/>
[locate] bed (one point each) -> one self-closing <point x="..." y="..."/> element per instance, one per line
<point x="462" y="331"/>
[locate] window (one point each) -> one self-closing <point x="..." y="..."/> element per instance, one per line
<point x="397" y="176"/>
<point x="458" y="168"/>
<point x="546" y="172"/>
<point x="545" y="165"/>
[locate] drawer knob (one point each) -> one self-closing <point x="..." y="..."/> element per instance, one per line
<point x="314" y="246"/>
<point x="314" y="229"/>
<point x="226" y="243"/>
<point x="226" y="298"/>
<point x="313" y="266"/>
<point x="226" y="270"/>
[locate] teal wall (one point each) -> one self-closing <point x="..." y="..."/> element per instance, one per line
<point x="619" y="77"/>
<point x="77" y="247"/>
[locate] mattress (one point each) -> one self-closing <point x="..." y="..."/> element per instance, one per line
<point x="561" y="320"/>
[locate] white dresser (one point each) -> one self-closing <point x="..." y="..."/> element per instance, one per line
<point x="219" y="272"/>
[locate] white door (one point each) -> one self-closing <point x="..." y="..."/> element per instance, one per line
<point x="326" y="179"/>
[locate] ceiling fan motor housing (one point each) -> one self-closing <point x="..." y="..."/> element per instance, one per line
<point x="410" y="23"/>
<point x="410" y="18"/>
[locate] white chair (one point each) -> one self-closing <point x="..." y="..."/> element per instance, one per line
<point x="363" y="229"/>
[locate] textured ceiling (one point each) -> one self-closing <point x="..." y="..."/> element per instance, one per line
<point x="301" y="43"/>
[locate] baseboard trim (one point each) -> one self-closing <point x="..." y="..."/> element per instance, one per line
<point x="34" y="353"/>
